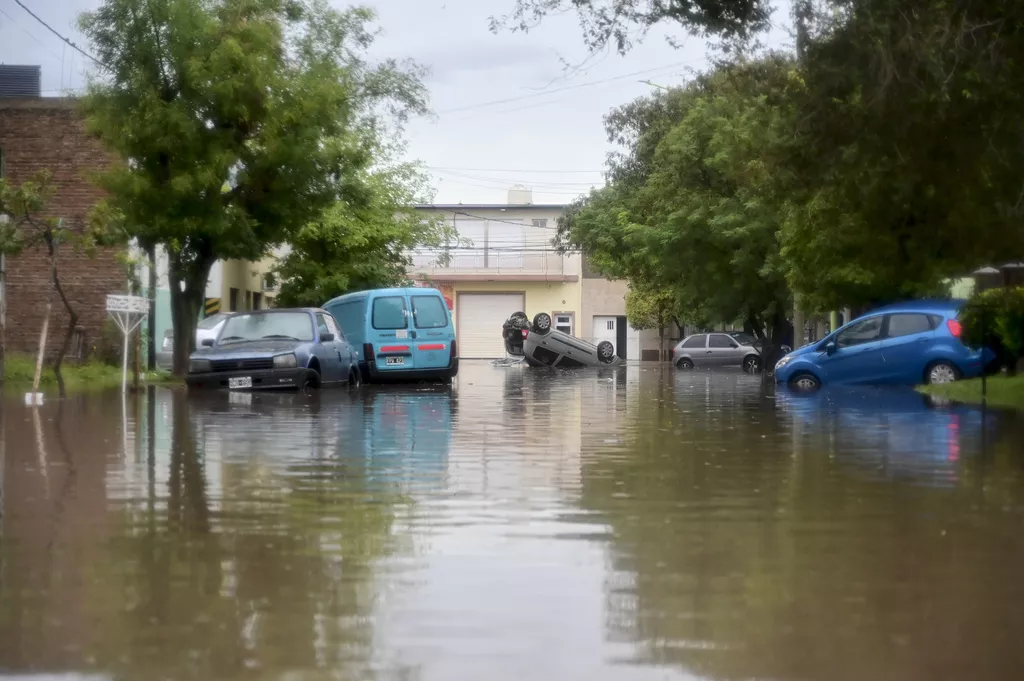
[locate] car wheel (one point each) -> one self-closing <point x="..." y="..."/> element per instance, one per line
<point x="685" y="364"/>
<point x="941" y="372"/>
<point x="311" y="383"/>
<point x="541" y="323"/>
<point x="355" y="380"/>
<point x="606" y="352"/>
<point x="751" y="364"/>
<point x="805" y="382"/>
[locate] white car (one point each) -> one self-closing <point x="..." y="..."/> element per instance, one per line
<point x="207" y="328"/>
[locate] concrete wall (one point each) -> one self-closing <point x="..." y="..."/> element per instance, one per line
<point x="602" y="298"/>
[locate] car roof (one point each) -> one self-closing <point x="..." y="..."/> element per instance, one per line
<point x="378" y="292"/>
<point x="951" y="305"/>
<point x="270" y="310"/>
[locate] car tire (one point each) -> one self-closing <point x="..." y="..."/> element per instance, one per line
<point x="311" y="382"/>
<point x="751" y="364"/>
<point x="541" y="323"/>
<point x="941" y="372"/>
<point x="355" y="379"/>
<point x="805" y="382"/>
<point x="605" y="352"/>
<point x="684" y="363"/>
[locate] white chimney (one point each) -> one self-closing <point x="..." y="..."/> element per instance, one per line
<point x="520" y="196"/>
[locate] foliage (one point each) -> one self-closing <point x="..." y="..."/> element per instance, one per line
<point x="905" y="148"/>
<point x="360" y="247"/>
<point x="92" y="375"/>
<point x="239" y="122"/>
<point x="995" y="319"/>
<point x="691" y="204"/>
<point x="650" y="308"/>
<point x="621" y="23"/>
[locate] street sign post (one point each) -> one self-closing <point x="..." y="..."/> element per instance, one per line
<point x="128" y="313"/>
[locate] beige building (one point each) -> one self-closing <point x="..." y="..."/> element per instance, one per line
<point x="240" y="285"/>
<point x="505" y="262"/>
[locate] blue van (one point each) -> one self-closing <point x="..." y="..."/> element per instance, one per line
<point x="401" y="334"/>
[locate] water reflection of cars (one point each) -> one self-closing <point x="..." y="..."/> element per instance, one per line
<point x="275" y="349"/>
<point x="893" y="430"/>
<point x="906" y="343"/>
<point x="547" y="346"/>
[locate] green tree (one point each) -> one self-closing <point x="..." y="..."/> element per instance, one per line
<point x="692" y="205"/>
<point x="652" y="308"/>
<point x="621" y="23"/>
<point x="274" y="98"/>
<point x="355" y="248"/>
<point x="906" y="148"/>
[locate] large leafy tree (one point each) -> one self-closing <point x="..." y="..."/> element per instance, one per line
<point x="691" y="205"/>
<point x="273" y="98"/>
<point x="354" y="248"/>
<point x="907" y="146"/>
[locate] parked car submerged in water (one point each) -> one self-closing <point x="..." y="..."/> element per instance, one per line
<point x="717" y="350"/>
<point x="905" y="343"/>
<point x="275" y="349"/>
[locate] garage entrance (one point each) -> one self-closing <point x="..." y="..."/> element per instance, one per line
<point x="478" y="320"/>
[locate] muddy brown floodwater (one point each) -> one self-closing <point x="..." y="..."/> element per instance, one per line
<point x="639" y="524"/>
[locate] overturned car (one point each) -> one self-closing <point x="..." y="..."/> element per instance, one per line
<point x="541" y="345"/>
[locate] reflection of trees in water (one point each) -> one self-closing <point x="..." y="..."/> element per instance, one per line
<point x="279" y="579"/>
<point x="736" y="557"/>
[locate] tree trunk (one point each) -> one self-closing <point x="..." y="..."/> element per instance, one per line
<point x="51" y="244"/>
<point x="3" y="318"/>
<point x="188" y="288"/>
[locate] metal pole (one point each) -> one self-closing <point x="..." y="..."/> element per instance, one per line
<point x="124" y="361"/>
<point x="984" y="368"/>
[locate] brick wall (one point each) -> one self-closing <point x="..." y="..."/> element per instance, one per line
<point x="48" y="133"/>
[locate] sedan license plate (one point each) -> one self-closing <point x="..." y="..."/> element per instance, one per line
<point x="240" y="382"/>
<point x="391" y="361"/>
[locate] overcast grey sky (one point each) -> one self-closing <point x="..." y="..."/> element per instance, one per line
<point x="545" y="131"/>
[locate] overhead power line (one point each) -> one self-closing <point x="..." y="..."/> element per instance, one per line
<point x="534" y="95"/>
<point x="29" y="34"/>
<point x="52" y="30"/>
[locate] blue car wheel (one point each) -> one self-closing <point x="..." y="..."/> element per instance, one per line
<point x="805" y="381"/>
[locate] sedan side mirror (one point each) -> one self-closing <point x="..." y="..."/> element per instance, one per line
<point x="830" y="348"/>
<point x="326" y="337"/>
<point x="207" y="343"/>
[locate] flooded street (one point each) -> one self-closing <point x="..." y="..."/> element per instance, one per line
<point x="639" y="524"/>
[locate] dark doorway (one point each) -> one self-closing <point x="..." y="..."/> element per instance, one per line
<point x="620" y="336"/>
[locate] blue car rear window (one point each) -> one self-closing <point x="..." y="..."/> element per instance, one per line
<point x="389" y="313"/>
<point x="429" y="312"/>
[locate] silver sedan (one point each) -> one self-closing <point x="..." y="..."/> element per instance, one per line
<point x="715" y="350"/>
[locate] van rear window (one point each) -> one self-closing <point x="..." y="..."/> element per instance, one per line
<point x="428" y="312"/>
<point x="389" y="313"/>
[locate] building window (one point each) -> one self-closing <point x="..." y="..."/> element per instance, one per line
<point x="563" y="323"/>
<point x="257" y="301"/>
<point x="541" y="223"/>
<point x="611" y="325"/>
<point x="233" y="300"/>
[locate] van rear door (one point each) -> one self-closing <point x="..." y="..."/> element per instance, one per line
<point x="389" y="333"/>
<point x="433" y="330"/>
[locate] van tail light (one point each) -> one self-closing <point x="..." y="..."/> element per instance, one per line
<point x="368" y="352"/>
<point x="954" y="327"/>
<point x="454" y="351"/>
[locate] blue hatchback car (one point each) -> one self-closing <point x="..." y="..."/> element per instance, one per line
<point x="906" y="343"/>
<point x="275" y="349"/>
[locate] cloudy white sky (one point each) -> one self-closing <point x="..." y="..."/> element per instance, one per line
<point x="506" y="108"/>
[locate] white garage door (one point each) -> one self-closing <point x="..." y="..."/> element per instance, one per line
<point x="479" y="317"/>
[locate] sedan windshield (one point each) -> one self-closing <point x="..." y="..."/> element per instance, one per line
<point x="267" y="326"/>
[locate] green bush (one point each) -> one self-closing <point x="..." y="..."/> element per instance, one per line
<point x="995" y="319"/>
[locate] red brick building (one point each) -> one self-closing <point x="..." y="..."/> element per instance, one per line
<point x="38" y="133"/>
